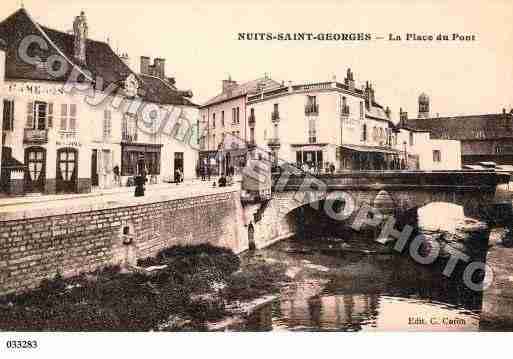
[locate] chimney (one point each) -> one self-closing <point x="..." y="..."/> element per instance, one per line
<point x="159" y="68"/>
<point x="349" y="80"/>
<point x="403" y="117"/>
<point x="145" y="65"/>
<point x="171" y="81"/>
<point x="228" y="84"/>
<point x="80" y="30"/>
<point x="125" y="58"/>
<point x="367" y="92"/>
<point x="387" y="111"/>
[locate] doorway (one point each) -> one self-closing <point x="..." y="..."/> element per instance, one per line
<point x="67" y="165"/>
<point x="94" y="168"/>
<point x="35" y="158"/>
<point x="178" y="163"/>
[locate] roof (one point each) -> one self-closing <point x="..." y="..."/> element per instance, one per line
<point x="363" y="148"/>
<point x="101" y="61"/>
<point x="376" y="111"/>
<point x="263" y="83"/>
<point x="157" y="90"/>
<point x="471" y="127"/>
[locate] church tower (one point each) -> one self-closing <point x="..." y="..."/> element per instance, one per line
<point x="423" y="106"/>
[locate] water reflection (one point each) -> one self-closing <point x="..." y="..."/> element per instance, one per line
<point x="369" y="293"/>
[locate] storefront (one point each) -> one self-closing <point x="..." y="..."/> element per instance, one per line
<point x="313" y="156"/>
<point x="365" y="158"/>
<point x="131" y="154"/>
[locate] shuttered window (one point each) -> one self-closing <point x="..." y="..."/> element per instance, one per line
<point x="8" y="119"/>
<point x="68" y="117"/>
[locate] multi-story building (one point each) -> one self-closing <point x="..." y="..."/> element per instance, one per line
<point x="323" y="124"/>
<point x="74" y="111"/>
<point x="175" y="127"/>
<point x="224" y="116"/>
<point x="2" y="75"/>
<point x="484" y="138"/>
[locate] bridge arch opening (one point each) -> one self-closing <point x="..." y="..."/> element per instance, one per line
<point x="440" y="216"/>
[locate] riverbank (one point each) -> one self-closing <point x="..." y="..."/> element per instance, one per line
<point x="498" y="297"/>
<point x="183" y="288"/>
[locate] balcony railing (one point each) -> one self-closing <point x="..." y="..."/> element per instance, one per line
<point x="273" y="142"/>
<point x="312" y="110"/>
<point x="275" y="116"/>
<point x="251" y="120"/>
<point x="129" y="137"/>
<point x="68" y="136"/>
<point x="35" y="136"/>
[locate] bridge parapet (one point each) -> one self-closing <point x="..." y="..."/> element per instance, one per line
<point x="442" y="180"/>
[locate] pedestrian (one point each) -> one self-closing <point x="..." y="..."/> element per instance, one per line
<point x="332" y="168"/>
<point x="202" y="171"/>
<point x="178" y="176"/>
<point x="117" y="178"/>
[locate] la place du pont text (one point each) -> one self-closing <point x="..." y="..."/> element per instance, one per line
<point x="432" y="37"/>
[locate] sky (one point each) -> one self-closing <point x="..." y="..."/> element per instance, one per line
<point x="200" y="45"/>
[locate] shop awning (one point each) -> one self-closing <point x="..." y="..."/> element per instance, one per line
<point x="371" y="149"/>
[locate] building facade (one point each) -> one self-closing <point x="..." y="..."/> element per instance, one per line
<point x="484" y="138"/>
<point x="224" y="123"/>
<point x="322" y="125"/>
<point x="75" y="115"/>
<point x="427" y="154"/>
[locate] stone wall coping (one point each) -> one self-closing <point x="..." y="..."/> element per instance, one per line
<point x="99" y="203"/>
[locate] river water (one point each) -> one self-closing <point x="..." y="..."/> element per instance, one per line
<point x="355" y="290"/>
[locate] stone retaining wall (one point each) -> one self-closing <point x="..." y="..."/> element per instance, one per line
<point x="37" y="247"/>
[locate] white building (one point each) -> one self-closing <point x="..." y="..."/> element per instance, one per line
<point x="76" y="112"/>
<point x="432" y="154"/>
<point x="323" y="124"/>
<point x="224" y="121"/>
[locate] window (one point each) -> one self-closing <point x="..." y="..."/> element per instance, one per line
<point x="39" y="115"/>
<point x="8" y="119"/>
<point x="411" y="139"/>
<point x="107" y="124"/>
<point x="68" y="117"/>
<point x="311" y="105"/>
<point x="437" y="156"/>
<point x="276" y="114"/>
<point x="361" y="110"/>
<point x="312" y="131"/>
<point x="374" y="134"/>
<point x="252" y="135"/>
<point x="129" y="128"/>
<point x="238" y="115"/>
<point x="132" y="155"/>
<point x="364" y="133"/>
<point x="213" y="120"/>
<point x="344" y="108"/>
<point x="222" y="118"/>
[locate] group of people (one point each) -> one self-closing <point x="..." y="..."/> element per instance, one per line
<point x="204" y="170"/>
<point x="316" y="168"/>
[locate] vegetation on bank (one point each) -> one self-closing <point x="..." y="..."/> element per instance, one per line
<point x="196" y="287"/>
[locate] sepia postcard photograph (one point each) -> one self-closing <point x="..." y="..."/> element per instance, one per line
<point x="254" y="166"/>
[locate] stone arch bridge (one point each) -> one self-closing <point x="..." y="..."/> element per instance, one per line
<point x="480" y="193"/>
